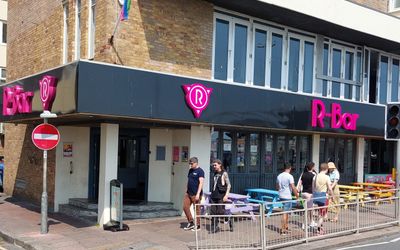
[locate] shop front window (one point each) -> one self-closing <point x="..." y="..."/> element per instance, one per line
<point x="281" y="153"/>
<point x="292" y="152"/>
<point x="304" y="151"/>
<point x="214" y="146"/>
<point x="268" y="157"/>
<point x="254" y="153"/>
<point x="240" y="152"/>
<point x="227" y="150"/>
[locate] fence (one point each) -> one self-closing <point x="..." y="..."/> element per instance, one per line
<point x="255" y="229"/>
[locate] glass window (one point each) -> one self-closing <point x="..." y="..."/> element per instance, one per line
<point x="358" y="77"/>
<point x="281" y="153"/>
<point x="340" y="155"/>
<point x="227" y="149"/>
<point x="78" y="29"/>
<point x="395" y="81"/>
<point x="292" y="152"/>
<point x="254" y="152"/>
<point x="336" y="70"/>
<point x="221" y="50"/>
<point x="214" y="146"/>
<point x="322" y="150"/>
<point x="268" y="158"/>
<point x="260" y="54"/>
<point x="349" y="164"/>
<point x="303" y="151"/>
<point x="330" y="150"/>
<point x="240" y="152"/>
<point x="383" y="79"/>
<point x="239" y="70"/>
<point x="276" y="61"/>
<point x="294" y="56"/>
<point x="4" y="33"/>
<point x="308" y="74"/>
<point x="92" y="28"/>
<point x="325" y="70"/>
<point x="348" y="75"/>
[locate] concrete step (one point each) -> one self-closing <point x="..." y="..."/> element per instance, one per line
<point x="139" y="206"/>
<point x="83" y="203"/>
<point x="151" y="214"/>
<point x="78" y="212"/>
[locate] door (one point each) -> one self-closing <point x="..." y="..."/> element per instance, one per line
<point x="94" y="164"/>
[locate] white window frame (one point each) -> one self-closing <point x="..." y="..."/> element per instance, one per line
<point x="1" y="75"/>
<point x="65" y="32"/>
<point x="91" y="28"/>
<point x="392" y="7"/>
<point x="389" y="81"/>
<point x="78" y="8"/>
<point x="303" y="40"/>
<point x="1" y="31"/>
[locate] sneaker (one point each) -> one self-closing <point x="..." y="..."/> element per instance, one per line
<point x="194" y="229"/>
<point x="189" y="226"/>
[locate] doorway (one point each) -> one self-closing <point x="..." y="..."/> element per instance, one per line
<point x="133" y="163"/>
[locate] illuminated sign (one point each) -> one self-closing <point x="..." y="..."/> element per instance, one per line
<point x="16" y="100"/>
<point x="48" y="87"/>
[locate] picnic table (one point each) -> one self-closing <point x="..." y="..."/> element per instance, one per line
<point x="268" y="197"/>
<point x="377" y="190"/>
<point x="349" y="194"/>
<point x="236" y="203"/>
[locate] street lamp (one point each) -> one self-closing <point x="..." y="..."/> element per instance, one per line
<point x="43" y="225"/>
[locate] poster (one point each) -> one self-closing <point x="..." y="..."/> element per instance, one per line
<point x="185" y="154"/>
<point x="175" y="154"/>
<point x="67" y="149"/>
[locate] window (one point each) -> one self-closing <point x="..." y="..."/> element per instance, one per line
<point x="65" y="32"/>
<point x="268" y="154"/>
<point x="394" y="5"/>
<point x="3" y="31"/>
<point x="341" y="73"/>
<point x="92" y="28"/>
<point x="3" y="75"/>
<point x="214" y="146"/>
<point x="77" y="29"/>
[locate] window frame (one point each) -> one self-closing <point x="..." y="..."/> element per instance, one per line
<point x="65" y="32"/>
<point x="3" y="22"/>
<point x="392" y="7"/>
<point x="3" y="80"/>
<point x="78" y="30"/>
<point x="91" y="28"/>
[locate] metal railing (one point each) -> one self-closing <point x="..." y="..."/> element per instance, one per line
<point x="255" y="229"/>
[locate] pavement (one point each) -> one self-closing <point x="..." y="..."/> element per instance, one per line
<point x="20" y="226"/>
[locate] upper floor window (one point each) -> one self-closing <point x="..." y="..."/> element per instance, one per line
<point x="3" y="75"/>
<point x="92" y="28"/>
<point x="65" y="31"/>
<point x="77" y="29"/>
<point x="394" y="5"/>
<point x="3" y="31"/>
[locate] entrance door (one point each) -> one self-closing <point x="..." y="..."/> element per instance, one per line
<point x="133" y="163"/>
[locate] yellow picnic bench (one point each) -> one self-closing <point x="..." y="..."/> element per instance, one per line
<point x="376" y="190"/>
<point x="349" y="194"/>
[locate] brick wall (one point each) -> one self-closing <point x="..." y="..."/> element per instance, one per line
<point x="381" y="5"/>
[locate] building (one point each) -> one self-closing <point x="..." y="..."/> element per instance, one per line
<point x="3" y="63"/>
<point x="255" y="83"/>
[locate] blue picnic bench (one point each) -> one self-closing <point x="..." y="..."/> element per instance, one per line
<point x="268" y="197"/>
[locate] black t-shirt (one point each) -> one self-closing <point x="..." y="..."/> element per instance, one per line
<point x="307" y="181"/>
<point x="193" y="180"/>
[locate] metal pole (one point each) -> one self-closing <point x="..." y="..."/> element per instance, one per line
<point x="262" y="227"/>
<point x="306" y="220"/>
<point x="397" y="181"/>
<point x="43" y="228"/>
<point x="358" y="214"/>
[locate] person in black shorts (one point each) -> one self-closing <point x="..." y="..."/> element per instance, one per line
<point x="307" y="182"/>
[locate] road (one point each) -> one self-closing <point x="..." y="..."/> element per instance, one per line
<point x="5" y="246"/>
<point x="383" y="243"/>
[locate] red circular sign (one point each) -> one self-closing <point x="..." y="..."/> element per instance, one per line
<point x="45" y="136"/>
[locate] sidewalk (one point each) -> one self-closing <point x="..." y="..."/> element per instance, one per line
<point x="20" y="223"/>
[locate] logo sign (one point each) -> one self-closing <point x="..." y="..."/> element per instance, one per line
<point x="197" y="97"/>
<point x="45" y="136"/>
<point x="48" y="87"/>
<point x="338" y="120"/>
<point x="16" y="100"/>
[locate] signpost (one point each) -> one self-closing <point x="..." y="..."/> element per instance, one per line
<point x="45" y="137"/>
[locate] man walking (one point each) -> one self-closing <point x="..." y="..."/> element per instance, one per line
<point x="193" y="193"/>
<point x="322" y="188"/>
<point x="285" y="186"/>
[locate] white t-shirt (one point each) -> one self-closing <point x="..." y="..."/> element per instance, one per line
<point x="284" y="180"/>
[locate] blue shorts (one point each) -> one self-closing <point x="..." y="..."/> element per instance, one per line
<point x="287" y="204"/>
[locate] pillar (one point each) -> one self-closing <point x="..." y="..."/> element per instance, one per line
<point x="360" y="159"/>
<point x="315" y="150"/>
<point x="200" y="147"/>
<point x="109" y="135"/>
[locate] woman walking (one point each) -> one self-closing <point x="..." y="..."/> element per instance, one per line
<point x="334" y="203"/>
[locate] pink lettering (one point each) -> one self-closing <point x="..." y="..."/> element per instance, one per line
<point x="48" y="87"/>
<point x="16" y="101"/>
<point x="338" y="120"/>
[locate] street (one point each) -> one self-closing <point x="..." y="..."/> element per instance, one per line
<point x="387" y="243"/>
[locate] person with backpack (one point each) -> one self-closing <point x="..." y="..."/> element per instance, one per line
<point x="219" y="195"/>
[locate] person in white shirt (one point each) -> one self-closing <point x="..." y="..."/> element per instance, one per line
<point x="285" y="186"/>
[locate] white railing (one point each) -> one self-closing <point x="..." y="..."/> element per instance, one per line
<point x="256" y="229"/>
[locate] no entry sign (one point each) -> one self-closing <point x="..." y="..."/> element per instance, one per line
<point x="45" y="136"/>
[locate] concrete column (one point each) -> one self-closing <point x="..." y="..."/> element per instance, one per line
<point x="200" y="147"/>
<point x="108" y="168"/>
<point x="315" y="150"/>
<point x="360" y="159"/>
